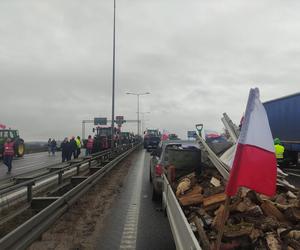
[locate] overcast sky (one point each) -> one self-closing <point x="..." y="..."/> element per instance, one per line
<point x="197" y="58"/>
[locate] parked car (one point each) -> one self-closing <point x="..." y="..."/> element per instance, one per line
<point x="160" y="159"/>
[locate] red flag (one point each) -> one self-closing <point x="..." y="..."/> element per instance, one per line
<point x="2" y="126"/>
<point x="254" y="165"/>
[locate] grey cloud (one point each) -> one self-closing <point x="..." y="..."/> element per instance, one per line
<point x="198" y="59"/>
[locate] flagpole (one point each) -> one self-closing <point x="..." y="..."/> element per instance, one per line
<point x="222" y="226"/>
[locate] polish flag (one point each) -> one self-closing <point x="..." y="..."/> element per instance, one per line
<point x="254" y="165"/>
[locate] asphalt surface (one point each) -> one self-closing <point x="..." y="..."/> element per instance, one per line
<point x="135" y="222"/>
<point x="28" y="163"/>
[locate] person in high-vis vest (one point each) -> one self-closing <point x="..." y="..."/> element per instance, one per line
<point x="279" y="151"/>
<point x="8" y="154"/>
<point x="78" y="144"/>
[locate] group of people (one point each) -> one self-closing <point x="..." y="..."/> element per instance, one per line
<point x="72" y="148"/>
<point x="51" y="147"/>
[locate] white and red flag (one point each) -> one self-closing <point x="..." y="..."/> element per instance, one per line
<point x="254" y="165"/>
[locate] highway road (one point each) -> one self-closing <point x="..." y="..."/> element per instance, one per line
<point x="28" y="163"/>
<point x="117" y="213"/>
<point x="136" y="222"/>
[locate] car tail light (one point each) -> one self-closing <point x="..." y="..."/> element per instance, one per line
<point x="158" y="170"/>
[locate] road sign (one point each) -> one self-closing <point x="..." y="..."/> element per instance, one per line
<point x="191" y="134"/>
<point x="100" y="121"/>
<point x="120" y="120"/>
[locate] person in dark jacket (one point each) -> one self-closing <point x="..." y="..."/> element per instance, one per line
<point x="73" y="146"/>
<point x="65" y="150"/>
<point x="49" y="146"/>
<point x="53" y="147"/>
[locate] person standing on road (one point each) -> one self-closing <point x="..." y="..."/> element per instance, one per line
<point x="53" y="147"/>
<point x="65" y="150"/>
<point x="73" y="147"/>
<point x="89" y="145"/>
<point x="78" y="146"/>
<point x="279" y="151"/>
<point x="8" y="154"/>
<point x="49" y="146"/>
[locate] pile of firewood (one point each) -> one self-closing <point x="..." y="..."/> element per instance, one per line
<point x="254" y="221"/>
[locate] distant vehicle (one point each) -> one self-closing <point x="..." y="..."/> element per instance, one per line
<point x="151" y="138"/>
<point x="103" y="138"/>
<point x="173" y="137"/>
<point x="161" y="158"/>
<point x="284" y="118"/>
<point x="13" y="134"/>
<point x="126" y="138"/>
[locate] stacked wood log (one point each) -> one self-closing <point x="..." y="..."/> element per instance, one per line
<point x="254" y="221"/>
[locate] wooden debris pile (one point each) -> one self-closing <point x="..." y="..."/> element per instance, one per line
<point x="254" y="221"/>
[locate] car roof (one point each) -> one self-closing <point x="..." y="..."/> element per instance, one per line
<point x="182" y="142"/>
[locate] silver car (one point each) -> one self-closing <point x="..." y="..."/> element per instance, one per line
<point x="159" y="161"/>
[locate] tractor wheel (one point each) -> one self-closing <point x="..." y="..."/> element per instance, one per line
<point x="20" y="148"/>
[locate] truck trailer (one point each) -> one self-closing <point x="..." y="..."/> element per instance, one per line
<point x="284" y="118"/>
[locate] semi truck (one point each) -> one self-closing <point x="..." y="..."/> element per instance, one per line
<point x="284" y="118"/>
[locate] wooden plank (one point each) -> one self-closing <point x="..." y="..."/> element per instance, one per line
<point x="197" y="189"/>
<point x="192" y="199"/>
<point x="271" y="210"/>
<point x="203" y="240"/>
<point x="217" y="222"/>
<point x="213" y="199"/>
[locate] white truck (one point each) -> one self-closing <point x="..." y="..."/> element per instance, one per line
<point x="182" y="233"/>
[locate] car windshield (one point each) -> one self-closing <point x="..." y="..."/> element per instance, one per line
<point x="182" y="156"/>
<point x="152" y="132"/>
<point x="179" y="146"/>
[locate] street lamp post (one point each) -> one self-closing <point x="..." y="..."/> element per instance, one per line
<point x="143" y="120"/>
<point x="138" y="108"/>
<point x="113" y="79"/>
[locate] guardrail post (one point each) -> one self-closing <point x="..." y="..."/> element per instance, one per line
<point x="29" y="192"/>
<point x="78" y="169"/>
<point x="60" y="177"/>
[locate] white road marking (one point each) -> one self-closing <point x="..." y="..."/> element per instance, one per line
<point x="128" y="240"/>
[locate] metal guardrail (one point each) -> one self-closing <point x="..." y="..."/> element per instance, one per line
<point x="31" y="181"/>
<point x="25" y="234"/>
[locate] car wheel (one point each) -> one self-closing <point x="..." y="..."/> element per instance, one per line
<point x="155" y="195"/>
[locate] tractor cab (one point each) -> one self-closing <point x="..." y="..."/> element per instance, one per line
<point x="103" y="138"/>
<point x="14" y="136"/>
